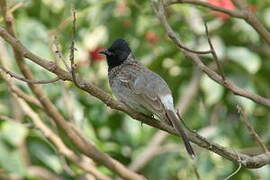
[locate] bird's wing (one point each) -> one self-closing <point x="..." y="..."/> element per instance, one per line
<point x="149" y="88"/>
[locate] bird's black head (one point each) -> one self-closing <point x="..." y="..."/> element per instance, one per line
<point x="117" y="53"/>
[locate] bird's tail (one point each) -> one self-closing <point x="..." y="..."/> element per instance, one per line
<point x="177" y="125"/>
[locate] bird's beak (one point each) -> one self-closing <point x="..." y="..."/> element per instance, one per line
<point x="105" y="52"/>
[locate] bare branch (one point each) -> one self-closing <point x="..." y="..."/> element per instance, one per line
<point x="26" y="97"/>
<point x="59" y="53"/>
<point x="232" y="13"/>
<point x="251" y="129"/>
<point x="193" y="51"/>
<point x="152" y="148"/>
<point x="244" y="13"/>
<point x="235" y="172"/>
<point x="72" y="48"/>
<point x="77" y="139"/>
<point x="6" y="118"/>
<point x="250" y="161"/>
<point x="214" y="54"/>
<point x="159" y="9"/>
<point x="86" y="148"/>
<point x="62" y="148"/>
<point x="41" y="173"/>
<point x="29" y="80"/>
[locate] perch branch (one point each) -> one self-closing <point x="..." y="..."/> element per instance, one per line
<point x="248" y="161"/>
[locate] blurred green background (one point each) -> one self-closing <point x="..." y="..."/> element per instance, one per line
<point x="212" y="112"/>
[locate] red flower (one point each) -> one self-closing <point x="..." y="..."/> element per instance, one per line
<point x="151" y="37"/>
<point x="126" y="23"/>
<point x="226" y="4"/>
<point x="94" y="54"/>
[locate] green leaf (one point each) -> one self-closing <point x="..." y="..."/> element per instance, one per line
<point x="45" y="155"/>
<point x="247" y="59"/>
<point x="11" y="161"/>
<point x="212" y="90"/>
<point x="13" y="132"/>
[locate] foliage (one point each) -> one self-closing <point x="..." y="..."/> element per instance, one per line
<point x="244" y="55"/>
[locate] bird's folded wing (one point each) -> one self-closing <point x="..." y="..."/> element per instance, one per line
<point x="147" y="94"/>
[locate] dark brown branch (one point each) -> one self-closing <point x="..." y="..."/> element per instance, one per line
<point x="251" y="129"/>
<point x="29" y="80"/>
<point x="159" y="9"/>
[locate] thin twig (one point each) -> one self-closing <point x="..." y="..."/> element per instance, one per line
<point x="72" y="48"/>
<point x="193" y="51"/>
<point x="61" y="147"/>
<point x="83" y="145"/>
<point x="29" y="80"/>
<point x="151" y="150"/>
<point x="59" y="53"/>
<point x="237" y="170"/>
<point x="251" y="129"/>
<point x="160" y="12"/>
<point x="6" y="118"/>
<point x="206" y="4"/>
<point x="182" y="121"/>
<point x="214" y="54"/>
<point x="195" y="168"/>
<point x="244" y="13"/>
<point x="249" y="161"/>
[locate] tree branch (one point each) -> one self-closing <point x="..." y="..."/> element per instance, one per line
<point x="251" y="129"/>
<point x="244" y="13"/>
<point x="214" y="54"/>
<point x="159" y="9"/>
<point x="72" y="48"/>
<point x="29" y="80"/>
<point x="77" y="139"/>
<point x="152" y="148"/>
<point x="232" y="13"/>
<point x="247" y="161"/>
<point x="81" y="161"/>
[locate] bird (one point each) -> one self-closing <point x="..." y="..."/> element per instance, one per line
<point x="141" y="89"/>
